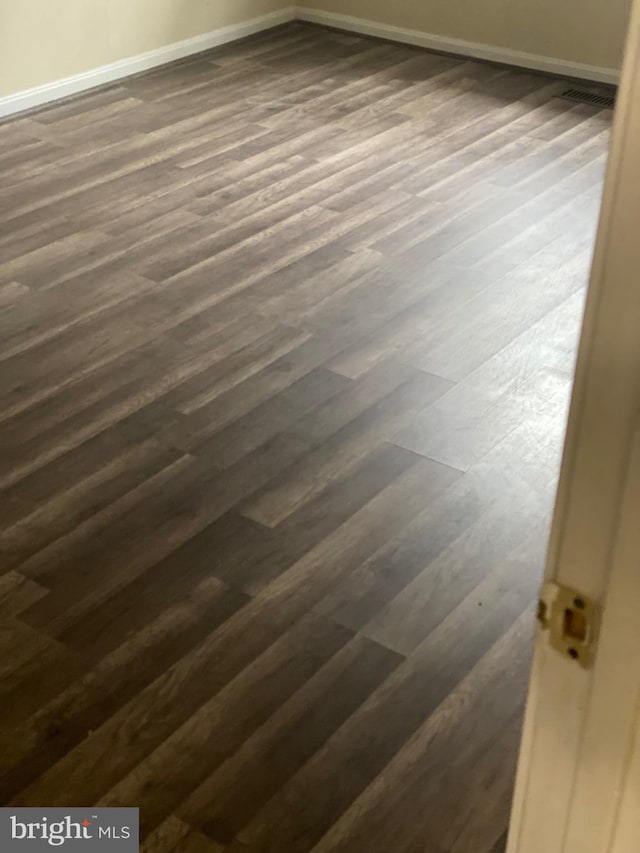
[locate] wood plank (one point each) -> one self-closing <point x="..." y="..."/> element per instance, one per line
<point x="229" y="798"/>
<point x="344" y="449"/>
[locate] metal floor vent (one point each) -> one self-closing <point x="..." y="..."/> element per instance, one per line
<point x="594" y="99"/>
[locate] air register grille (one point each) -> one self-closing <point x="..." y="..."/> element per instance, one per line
<point x="595" y="99"/>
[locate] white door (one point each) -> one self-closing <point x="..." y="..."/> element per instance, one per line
<point x="578" y="786"/>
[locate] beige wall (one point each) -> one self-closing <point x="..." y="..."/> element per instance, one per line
<point x="586" y="31"/>
<point x="46" y="40"/>
<point x="42" y="41"/>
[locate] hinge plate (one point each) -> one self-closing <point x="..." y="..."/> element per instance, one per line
<point x="571" y="621"/>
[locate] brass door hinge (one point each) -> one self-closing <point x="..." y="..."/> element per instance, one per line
<point x="571" y="621"/>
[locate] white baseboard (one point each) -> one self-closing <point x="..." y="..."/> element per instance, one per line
<point x="475" y="50"/>
<point x="142" y="62"/>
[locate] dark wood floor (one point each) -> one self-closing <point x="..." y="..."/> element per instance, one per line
<point x="287" y="340"/>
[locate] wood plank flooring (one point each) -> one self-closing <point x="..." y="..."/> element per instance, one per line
<point x="288" y="332"/>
